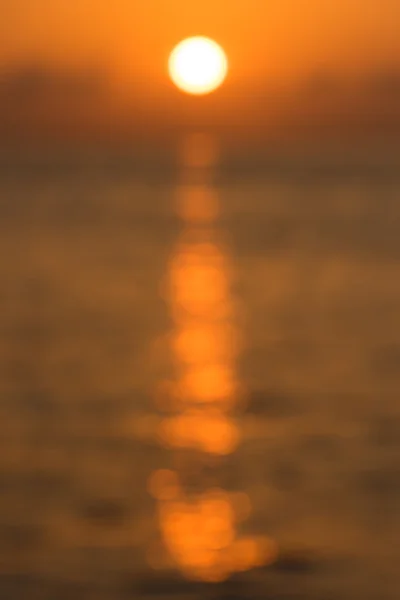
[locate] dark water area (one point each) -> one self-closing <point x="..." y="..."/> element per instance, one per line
<point x="84" y="342"/>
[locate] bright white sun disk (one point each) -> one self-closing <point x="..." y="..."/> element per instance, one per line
<point x="198" y="65"/>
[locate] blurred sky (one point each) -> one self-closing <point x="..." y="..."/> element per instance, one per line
<point x="275" y="48"/>
<point x="262" y="38"/>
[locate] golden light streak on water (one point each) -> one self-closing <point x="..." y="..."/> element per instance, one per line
<point x="199" y="528"/>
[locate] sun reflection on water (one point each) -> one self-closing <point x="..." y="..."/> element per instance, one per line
<point x="199" y="527"/>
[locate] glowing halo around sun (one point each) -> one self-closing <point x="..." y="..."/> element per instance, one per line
<point x="198" y="65"/>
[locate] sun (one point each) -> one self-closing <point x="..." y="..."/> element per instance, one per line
<point x="198" y="65"/>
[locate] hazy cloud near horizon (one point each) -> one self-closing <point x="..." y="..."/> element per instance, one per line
<point x="33" y="93"/>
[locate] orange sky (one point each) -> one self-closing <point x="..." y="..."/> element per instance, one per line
<point x="274" y="47"/>
<point x="263" y="38"/>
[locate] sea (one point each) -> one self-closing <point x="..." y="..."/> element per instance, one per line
<point x="109" y="279"/>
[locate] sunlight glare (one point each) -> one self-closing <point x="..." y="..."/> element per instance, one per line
<point x="198" y="65"/>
